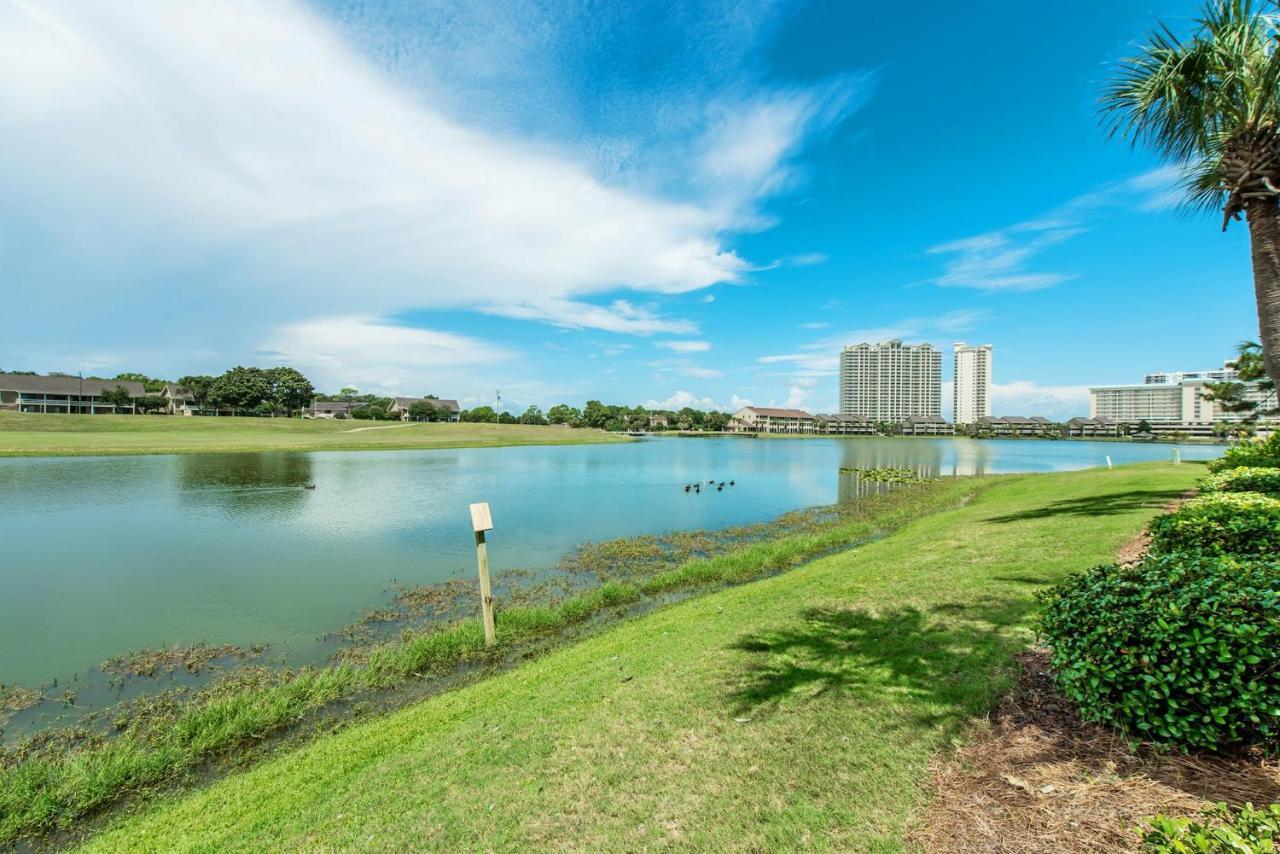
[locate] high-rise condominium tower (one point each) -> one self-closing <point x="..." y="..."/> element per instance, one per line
<point x="890" y="381"/>
<point x="972" y="387"/>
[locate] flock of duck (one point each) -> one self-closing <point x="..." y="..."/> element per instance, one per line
<point x="697" y="487"/>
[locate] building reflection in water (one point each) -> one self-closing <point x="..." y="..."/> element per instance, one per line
<point x="926" y="458"/>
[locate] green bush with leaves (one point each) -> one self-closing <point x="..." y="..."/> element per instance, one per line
<point x="1222" y="832"/>
<point x="1178" y="650"/>
<point x="1232" y="523"/>
<point x="1244" y="479"/>
<point x="1263" y="454"/>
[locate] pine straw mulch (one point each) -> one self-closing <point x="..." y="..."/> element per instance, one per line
<point x="1037" y="778"/>
<point x="1134" y="550"/>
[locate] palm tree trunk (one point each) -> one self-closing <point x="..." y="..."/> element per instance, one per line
<point x="1264" y="237"/>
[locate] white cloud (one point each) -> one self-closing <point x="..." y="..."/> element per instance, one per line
<point x="1025" y="397"/>
<point x="681" y="399"/>
<point x="618" y="316"/>
<point x="815" y="325"/>
<point x="808" y="259"/>
<point x="709" y="298"/>
<point x="371" y="354"/>
<point x="684" y="346"/>
<point x="737" y="403"/>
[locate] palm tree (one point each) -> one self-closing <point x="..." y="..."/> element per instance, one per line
<point x="1212" y="105"/>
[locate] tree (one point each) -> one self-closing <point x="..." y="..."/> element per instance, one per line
<point x="118" y="396"/>
<point x="151" y="402"/>
<point x="348" y="393"/>
<point x="481" y="415"/>
<point x="716" y="422"/>
<point x="1234" y="395"/>
<point x="240" y="389"/>
<point x="424" y="410"/>
<point x="1212" y="104"/>
<point x="287" y="389"/>
<point x="533" y="415"/>
<point x="197" y="388"/>
<point x="149" y="384"/>
<point x="507" y="418"/>
<point x="595" y="414"/>
<point x="562" y="413"/>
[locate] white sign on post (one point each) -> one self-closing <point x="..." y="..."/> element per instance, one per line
<point x="481" y="521"/>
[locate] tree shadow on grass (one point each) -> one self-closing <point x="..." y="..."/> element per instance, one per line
<point x="938" y="660"/>
<point x="1109" y="504"/>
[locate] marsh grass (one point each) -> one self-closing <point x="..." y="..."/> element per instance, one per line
<point x="53" y="781"/>
<point x="193" y="658"/>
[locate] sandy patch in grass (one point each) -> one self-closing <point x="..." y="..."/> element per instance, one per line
<point x="1037" y="778"/>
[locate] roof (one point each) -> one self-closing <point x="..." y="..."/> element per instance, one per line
<point x="440" y="403"/>
<point x="778" y="413"/>
<point x="845" y="419"/>
<point x="336" y="405"/>
<point x="925" y="419"/>
<point x="36" y="384"/>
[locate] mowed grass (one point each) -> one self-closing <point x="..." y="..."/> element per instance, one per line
<point x="26" y="434"/>
<point x="797" y="711"/>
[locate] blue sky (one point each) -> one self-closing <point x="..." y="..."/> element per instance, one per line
<point x="658" y="204"/>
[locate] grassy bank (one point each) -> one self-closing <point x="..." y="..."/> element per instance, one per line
<point x="797" y="710"/>
<point x="23" y="434"/>
<point x="54" y="779"/>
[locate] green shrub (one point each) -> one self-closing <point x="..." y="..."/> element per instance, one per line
<point x="1244" y="479"/>
<point x="1234" y="523"/>
<point x="1178" y="650"/>
<point x="1223" y="832"/>
<point x="1263" y="454"/>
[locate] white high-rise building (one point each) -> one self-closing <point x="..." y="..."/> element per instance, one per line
<point x="971" y="389"/>
<point x="890" y="381"/>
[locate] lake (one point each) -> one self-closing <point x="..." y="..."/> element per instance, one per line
<point x="104" y="555"/>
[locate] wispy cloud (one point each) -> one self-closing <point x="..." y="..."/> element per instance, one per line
<point x="619" y="316"/>
<point x="684" y="346"/>
<point x="821" y="358"/>
<point x="1002" y="260"/>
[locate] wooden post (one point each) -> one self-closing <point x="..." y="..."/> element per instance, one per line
<point x="482" y="521"/>
<point x="1177" y="456"/>
<point x="1108" y="461"/>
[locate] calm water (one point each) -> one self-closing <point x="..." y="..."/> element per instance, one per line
<point x="105" y="555"/>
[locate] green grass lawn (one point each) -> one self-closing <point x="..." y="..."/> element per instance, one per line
<point x="23" y="434"/>
<point x="797" y="711"/>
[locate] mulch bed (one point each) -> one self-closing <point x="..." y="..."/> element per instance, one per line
<point x="1035" y="777"/>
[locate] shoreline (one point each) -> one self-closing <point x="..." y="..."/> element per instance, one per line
<point x="881" y="653"/>
<point x="56" y="435"/>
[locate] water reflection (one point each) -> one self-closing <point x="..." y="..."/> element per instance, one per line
<point x="245" y="484"/>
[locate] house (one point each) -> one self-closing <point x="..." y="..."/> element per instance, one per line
<point x="843" y="425"/>
<point x="927" y="425"/>
<point x="401" y="405"/>
<point x="1016" y="425"/>
<point x="34" y="393"/>
<point x="659" y="420"/>
<point x="764" y="419"/>
<point x="177" y="401"/>
<point x="332" y="408"/>
<point x="1092" y="427"/>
